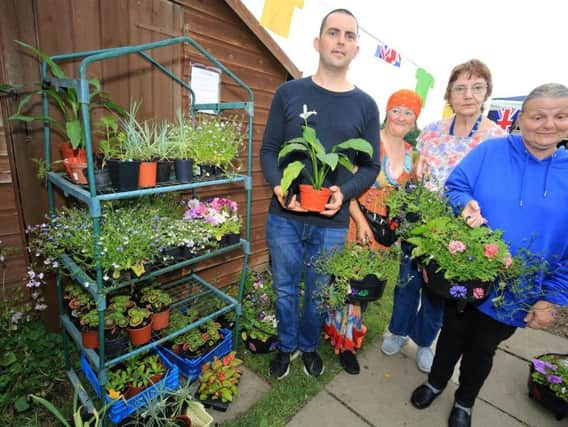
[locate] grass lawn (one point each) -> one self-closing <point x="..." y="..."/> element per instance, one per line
<point x="288" y="396"/>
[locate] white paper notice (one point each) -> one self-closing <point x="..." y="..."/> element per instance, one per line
<point x="206" y="84"/>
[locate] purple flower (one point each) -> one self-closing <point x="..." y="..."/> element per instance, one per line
<point x="541" y="366"/>
<point x="554" y="379"/>
<point x="458" y="291"/>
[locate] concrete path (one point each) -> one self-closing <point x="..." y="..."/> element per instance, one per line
<point x="379" y="395"/>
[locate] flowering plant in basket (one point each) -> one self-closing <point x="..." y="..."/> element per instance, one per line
<point x="220" y="214"/>
<point x="461" y="252"/>
<point x="551" y="370"/>
<point x="351" y="262"/>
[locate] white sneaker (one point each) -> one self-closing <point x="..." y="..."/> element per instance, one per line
<point x="392" y="344"/>
<point x="424" y="359"/>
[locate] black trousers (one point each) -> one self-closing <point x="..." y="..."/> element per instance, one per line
<point x="474" y="336"/>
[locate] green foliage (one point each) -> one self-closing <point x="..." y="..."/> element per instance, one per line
<point x="321" y="161"/>
<point x="219" y="379"/>
<point x="31" y="361"/>
<point x="258" y="319"/>
<point x="157" y="299"/>
<point x="66" y="100"/>
<point x="138" y="316"/>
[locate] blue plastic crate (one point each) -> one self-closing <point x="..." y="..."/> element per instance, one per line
<point x="191" y="368"/>
<point x="121" y="408"/>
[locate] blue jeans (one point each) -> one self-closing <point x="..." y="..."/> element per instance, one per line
<point x="293" y="245"/>
<point x="421" y="325"/>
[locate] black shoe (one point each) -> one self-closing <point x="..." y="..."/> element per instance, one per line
<point x="313" y="365"/>
<point x="279" y="365"/>
<point x="349" y="361"/>
<point x="423" y="396"/>
<point x="459" y="418"/>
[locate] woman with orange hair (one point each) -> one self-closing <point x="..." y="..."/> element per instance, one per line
<point x="344" y="327"/>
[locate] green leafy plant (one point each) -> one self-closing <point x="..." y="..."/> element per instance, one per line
<point x="157" y="299"/>
<point x="138" y="316"/>
<point x="551" y="370"/>
<point x="321" y="161"/>
<point x="107" y="127"/>
<point x="66" y="100"/>
<point x="180" y="138"/>
<point x="95" y="420"/>
<point x="219" y="379"/>
<point x="352" y="261"/>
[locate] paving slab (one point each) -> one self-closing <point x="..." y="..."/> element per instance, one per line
<point x="529" y="343"/>
<point x="326" y="410"/>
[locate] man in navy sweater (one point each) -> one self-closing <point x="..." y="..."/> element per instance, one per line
<point x="296" y="237"/>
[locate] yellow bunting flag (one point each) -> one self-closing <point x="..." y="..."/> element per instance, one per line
<point x="277" y="15"/>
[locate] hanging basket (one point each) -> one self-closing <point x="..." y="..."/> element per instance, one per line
<point x="463" y="292"/>
<point x="370" y="288"/>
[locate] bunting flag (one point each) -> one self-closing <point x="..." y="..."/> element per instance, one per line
<point x="277" y="15"/>
<point x="388" y="54"/>
<point x="424" y="82"/>
<point x="504" y="117"/>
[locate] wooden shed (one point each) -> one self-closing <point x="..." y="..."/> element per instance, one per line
<point x="223" y="27"/>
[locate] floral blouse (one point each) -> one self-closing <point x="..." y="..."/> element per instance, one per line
<point x="442" y="151"/>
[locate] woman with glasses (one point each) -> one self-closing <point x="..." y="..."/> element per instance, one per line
<point x="517" y="184"/>
<point x="344" y="327"/>
<point x="441" y="145"/>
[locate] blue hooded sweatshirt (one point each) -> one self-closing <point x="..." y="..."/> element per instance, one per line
<point x="527" y="198"/>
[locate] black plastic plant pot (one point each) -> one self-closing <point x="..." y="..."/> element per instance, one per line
<point x="214" y="404"/>
<point x="164" y="171"/>
<point x="184" y="170"/>
<point x="230" y="239"/>
<point x="124" y="175"/>
<point x="209" y="171"/>
<point x="370" y="288"/>
<point x="116" y="344"/>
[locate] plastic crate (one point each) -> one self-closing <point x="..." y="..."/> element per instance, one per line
<point x="120" y="409"/>
<point x="191" y="368"/>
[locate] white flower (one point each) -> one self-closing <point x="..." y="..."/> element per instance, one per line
<point x="306" y="114"/>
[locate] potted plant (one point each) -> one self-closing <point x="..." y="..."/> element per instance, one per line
<point x="414" y="204"/>
<point x="548" y="382"/>
<point x="158" y="302"/>
<point x="259" y="313"/>
<point x="358" y="273"/>
<point x="219" y="380"/>
<point x="321" y="161"/>
<point x="144" y="152"/>
<point x="182" y="148"/>
<point x="216" y="143"/>
<point x="139" y="325"/>
<point x="162" y="150"/>
<point x="107" y="127"/>
<point x="67" y="102"/>
<point x="89" y="328"/>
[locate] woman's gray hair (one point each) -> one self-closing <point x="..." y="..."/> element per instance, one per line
<point x="548" y="90"/>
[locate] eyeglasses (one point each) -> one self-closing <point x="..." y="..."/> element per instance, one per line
<point x="408" y="114"/>
<point x="476" y="89"/>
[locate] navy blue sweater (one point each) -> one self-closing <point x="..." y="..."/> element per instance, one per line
<point x="340" y="116"/>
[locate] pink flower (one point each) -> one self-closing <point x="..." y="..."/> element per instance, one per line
<point x="478" y="293"/>
<point x="456" y="246"/>
<point x="508" y="261"/>
<point x="491" y="250"/>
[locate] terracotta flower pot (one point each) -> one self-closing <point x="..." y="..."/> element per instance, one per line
<point x="312" y="199"/>
<point x="90" y="338"/>
<point x="160" y="320"/>
<point x="140" y="336"/>
<point x="74" y="167"/>
<point x="147" y="174"/>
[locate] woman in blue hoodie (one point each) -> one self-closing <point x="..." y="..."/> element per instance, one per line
<point x="518" y="184"/>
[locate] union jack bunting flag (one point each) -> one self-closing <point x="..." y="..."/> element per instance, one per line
<point x="388" y="54"/>
<point x="504" y="117"/>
